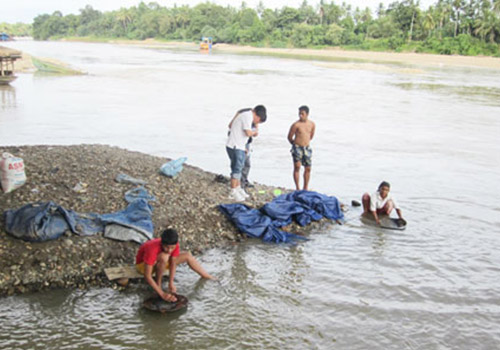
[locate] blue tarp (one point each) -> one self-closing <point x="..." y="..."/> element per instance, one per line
<point x="174" y="167"/>
<point x="38" y="222"/>
<point x="124" y="178"/>
<point x="300" y="206"/>
<point x="138" y="193"/>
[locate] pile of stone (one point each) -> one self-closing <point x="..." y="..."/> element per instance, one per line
<point x="82" y="178"/>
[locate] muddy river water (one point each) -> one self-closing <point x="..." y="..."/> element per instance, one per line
<point x="432" y="132"/>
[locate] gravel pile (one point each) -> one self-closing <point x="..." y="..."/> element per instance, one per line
<point x="82" y="178"/>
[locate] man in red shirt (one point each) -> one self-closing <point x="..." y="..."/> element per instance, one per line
<point x="164" y="253"/>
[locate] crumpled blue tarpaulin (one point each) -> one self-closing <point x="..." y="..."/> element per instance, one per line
<point x="138" y="193"/>
<point x="174" y="167"/>
<point x="38" y="222"/>
<point x="300" y="206"/>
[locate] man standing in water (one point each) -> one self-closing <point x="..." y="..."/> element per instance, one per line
<point x="161" y="254"/>
<point x="240" y="129"/>
<point x="300" y="135"/>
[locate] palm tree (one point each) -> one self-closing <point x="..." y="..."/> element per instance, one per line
<point x="182" y="17"/>
<point x="444" y="11"/>
<point x="413" y="16"/>
<point x="428" y="22"/>
<point x="124" y="17"/>
<point x="496" y="6"/>
<point x="380" y="10"/>
<point x="486" y="26"/>
<point x="457" y="6"/>
<point x="321" y="12"/>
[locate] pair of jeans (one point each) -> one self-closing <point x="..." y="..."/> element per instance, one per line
<point x="237" y="157"/>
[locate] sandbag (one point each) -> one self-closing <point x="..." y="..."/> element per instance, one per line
<point x="12" y="173"/>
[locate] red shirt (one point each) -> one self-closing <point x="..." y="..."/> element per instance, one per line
<point x="148" y="252"/>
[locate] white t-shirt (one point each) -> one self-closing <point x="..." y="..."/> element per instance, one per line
<point x="237" y="135"/>
<point x="377" y="202"/>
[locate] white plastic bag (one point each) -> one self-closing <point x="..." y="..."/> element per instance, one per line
<point x="12" y="173"/>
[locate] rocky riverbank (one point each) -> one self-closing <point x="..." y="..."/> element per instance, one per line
<point x="187" y="203"/>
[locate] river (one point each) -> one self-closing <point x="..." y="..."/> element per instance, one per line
<point x="433" y="133"/>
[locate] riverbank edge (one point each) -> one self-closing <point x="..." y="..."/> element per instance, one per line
<point x="188" y="203"/>
<point x="324" y="54"/>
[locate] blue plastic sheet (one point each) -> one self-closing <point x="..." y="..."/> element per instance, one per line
<point x="314" y="206"/>
<point x="138" y="193"/>
<point x="300" y="206"/>
<point x="38" y="222"/>
<point x="124" y="178"/>
<point x="137" y="215"/>
<point x="173" y="167"/>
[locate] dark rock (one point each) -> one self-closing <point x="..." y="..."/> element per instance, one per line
<point x="355" y="203"/>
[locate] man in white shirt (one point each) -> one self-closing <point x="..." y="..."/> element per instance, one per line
<point x="240" y="129"/>
<point x="380" y="203"/>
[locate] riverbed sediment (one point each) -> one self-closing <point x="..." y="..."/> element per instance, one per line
<point x="188" y="203"/>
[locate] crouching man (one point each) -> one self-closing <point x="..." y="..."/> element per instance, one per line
<point x="161" y="254"/>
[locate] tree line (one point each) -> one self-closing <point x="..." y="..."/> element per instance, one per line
<point x="16" y="29"/>
<point x="466" y="27"/>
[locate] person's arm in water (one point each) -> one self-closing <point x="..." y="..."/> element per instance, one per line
<point x="375" y="215"/>
<point x="373" y="210"/>
<point x="148" y="275"/>
<point x="172" y="268"/>
<point x="400" y="214"/>
<point x="291" y="133"/>
<point x="313" y="130"/>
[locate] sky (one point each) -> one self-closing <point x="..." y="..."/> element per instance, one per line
<point x="13" y="11"/>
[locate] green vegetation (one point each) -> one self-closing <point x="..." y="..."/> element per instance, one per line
<point x="17" y="29"/>
<point x="465" y="27"/>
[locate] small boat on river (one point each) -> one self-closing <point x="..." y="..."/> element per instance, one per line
<point x="206" y="43"/>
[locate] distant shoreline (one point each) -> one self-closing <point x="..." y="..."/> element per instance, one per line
<point x="337" y="54"/>
<point x="327" y="55"/>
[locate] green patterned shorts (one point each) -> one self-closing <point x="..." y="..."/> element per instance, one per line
<point x="302" y="155"/>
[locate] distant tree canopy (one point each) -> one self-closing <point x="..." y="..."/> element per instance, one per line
<point x="17" y="29"/>
<point x="467" y="27"/>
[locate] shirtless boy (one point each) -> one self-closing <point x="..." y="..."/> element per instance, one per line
<point x="300" y="135"/>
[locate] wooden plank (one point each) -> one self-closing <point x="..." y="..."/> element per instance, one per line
<point x="128" y="271"/>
